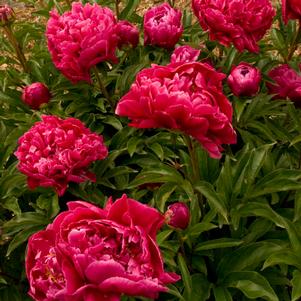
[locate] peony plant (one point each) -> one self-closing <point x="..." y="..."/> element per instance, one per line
<point x="150" y="150"/>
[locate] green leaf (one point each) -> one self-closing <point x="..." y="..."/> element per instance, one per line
<point x="221" y="294"/>
<point x="252" y="284"/>
<point x="296" y="283"/>
<point x="185" y="276"/>
<point x="275" y="181"/>
<point x="246" y="257"/>
<point x="286" y="257"/>
<point x="199" y="228"/>
<point x="214" y="199"/>
<point x="219" y="243"/>
<point x="161" y="174"/>
<point x="200" y="288"/>
<point x="21" y="237"/>
<point x="158" y="150"/>
<point x="174" y="291"/>
<point x="129" y="9"/>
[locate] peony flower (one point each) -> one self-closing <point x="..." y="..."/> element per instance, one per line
<point x="89" y="253"/>
<point x="35" y="95"/>
<point x="291" y="9"/>
<point x="241" y="22"/>
<point x="56" y="151"/>
<point x="81" y="38"/>
<point x="244" y="80"/>
<point x="7" y="15"/>
<point x="162" y="26"/>
<point x="287" y="83"/>
<point x="128" y="34"/>
<point x="186" y="97"/>
<point x="178" y="215"/>
<point x="184" y="54"/>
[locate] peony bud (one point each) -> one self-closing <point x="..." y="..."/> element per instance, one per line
<point x="35" y="95"/>
<point x="7" y="15"/>
<point x="162" y="26"/>
<point x="128" y="34"/>
<point x="244" y="80"/>
<point x="286" y="84"/>
<point x="177" y="215"/>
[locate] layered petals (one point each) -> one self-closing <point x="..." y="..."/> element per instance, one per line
<point x="162" y="26"/>
<point x="241" y="22"/>
<point x="181" y="96"/>
<point x="81" y="38"/>
<point x="55" y="152"/>
<point x="89" y="253"/>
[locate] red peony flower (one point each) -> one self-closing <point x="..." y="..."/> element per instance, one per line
<point x="128" y="34"/>
<point x="287" y="83"/>
<point x="184" y="54"/>
<point x="81" y="38"/>
<point x="56" y="151"/>
<point x="35" y="95"/>
<point x="93" y="254"/>
<point x="241" y="22"/>
<point x="291" y="9"/>
<point x="244" y="80"/>
<point x="178" y="215"/>
<point x="186" y="97"/>
<point x="162" y="26"/>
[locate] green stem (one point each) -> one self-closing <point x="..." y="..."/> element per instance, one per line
<point x="294" y="45"/>
<point x="195" y="168"/>
<point x="19" y="52"/>
<point x="68" y="3"/>
<point x="102" y="87"/>
<point x="117" y="8"/>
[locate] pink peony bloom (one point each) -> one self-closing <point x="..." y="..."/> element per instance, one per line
<point x="291" y="9"/>
<point x="128" y="34"/>
<point x="81" y="38"/>
<point x="185" y="54"/>
<point x="89" y="253"/>
<point x="178" y="215"/>
<point x="35" y="95"/>
<point x="186" y="97"/>
<point x="162" y="26"/>
<point x="244" y="80"/>
<point x="287" y="83"/>
<point x="7" y="15"/>
<point x="241" y="22"/>
<point x="56" y="151"/>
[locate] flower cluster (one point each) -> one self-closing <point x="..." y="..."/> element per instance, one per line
<point x="81" y="38"/>
<point x="286" y="84"/>
<point x="186" y="97"/>
<point x="241" y="22"/>
<point x="56" y="151"/>
<point x="162" y="26"/>
<point x="89" y="253"/>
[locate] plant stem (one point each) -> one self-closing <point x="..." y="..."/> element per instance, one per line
<point x="193" y="158"/>
<point x="19" y="52"/>
<point x="102" y="87"/>
<point x="195" y="168"/>
<point x="68" y="3"/>
<point x="117" y="8"/>
<point x="294" y="44"/>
